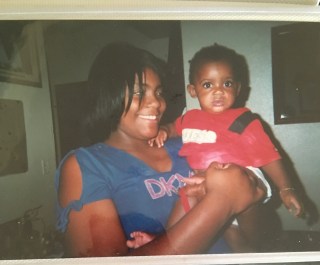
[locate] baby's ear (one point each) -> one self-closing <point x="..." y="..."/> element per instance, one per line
<point x="238" y="89"/>
<point x="191" y="90"/>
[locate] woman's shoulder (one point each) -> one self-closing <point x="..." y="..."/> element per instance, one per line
<point x="173" y="146"/>
<point x="174" y="143"/>
<point x="83" y="170"/>
<point x="86" y="157"/>
<point x="97" y="151"/>
<point x="102" y="157"/>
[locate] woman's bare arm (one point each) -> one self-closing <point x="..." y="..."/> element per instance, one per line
<point x="96" y="231"/>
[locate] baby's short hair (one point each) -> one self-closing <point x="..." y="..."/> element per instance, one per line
<point x="214" y="53"/>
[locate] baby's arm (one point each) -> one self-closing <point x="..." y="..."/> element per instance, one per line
<point x="277" y="173"/>
<point x="165" y="132"/>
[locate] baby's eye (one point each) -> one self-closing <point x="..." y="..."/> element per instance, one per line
<point x="207" y="85"/>
<point x="228" y="83"/>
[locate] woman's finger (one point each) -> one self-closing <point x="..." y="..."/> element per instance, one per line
<point x="194" y="180"/>
<point x="196" y="190"/>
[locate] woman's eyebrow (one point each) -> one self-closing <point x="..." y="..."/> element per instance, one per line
<point x="146" y="85"/>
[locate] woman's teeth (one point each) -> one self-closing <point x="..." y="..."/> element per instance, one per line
<point x="149" y="117"/>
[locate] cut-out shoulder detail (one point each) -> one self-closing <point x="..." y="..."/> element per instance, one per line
<point x="70" y="187"/>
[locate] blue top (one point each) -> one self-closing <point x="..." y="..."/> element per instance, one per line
<point x="143" y="197"/>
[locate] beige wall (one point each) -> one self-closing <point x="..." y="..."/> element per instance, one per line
<point x="20" y="192"/>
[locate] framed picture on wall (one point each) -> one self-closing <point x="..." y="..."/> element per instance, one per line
<point x="18" y="54"/>
<point x="296" y="66"/>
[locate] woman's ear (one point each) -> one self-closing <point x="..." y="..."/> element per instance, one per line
<point x="191" y="90"/>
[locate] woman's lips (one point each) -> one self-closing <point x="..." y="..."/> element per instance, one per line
<point x="149" y="117"/>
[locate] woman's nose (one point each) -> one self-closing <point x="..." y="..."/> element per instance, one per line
<point x="152" y="99"/>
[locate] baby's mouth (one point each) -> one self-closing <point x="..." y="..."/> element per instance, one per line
<point x="217" y="103"/>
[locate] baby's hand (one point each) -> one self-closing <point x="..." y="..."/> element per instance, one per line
<point x="291" y="202"/>
<point x="160" y="138"/>
<point x="139" y="239"/>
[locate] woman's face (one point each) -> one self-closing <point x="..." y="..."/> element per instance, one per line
<point x="143" y="118"/>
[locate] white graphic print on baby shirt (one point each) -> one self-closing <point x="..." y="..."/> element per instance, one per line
<point x="198" y="136"/>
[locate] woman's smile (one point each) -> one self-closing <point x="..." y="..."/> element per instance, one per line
<point x="150" y="117"/>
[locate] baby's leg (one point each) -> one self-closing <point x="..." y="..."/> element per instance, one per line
<point x="245" y="237"/>
<point x="249" y="224"/>
<point x="139" y="239"/>
<point x="237" y="240"/>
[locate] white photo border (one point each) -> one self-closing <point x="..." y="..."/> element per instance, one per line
<point x="308" y="11"/>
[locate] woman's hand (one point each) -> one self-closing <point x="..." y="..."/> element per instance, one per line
<point x="195" y="184"/>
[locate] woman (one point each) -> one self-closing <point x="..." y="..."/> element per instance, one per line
<point x="120" y="184"/>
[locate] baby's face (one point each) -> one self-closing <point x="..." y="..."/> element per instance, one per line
<point x="215" y="87"/>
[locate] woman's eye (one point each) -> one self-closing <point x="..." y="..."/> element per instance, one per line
<point x="159" y="92"/>
<point x="139" y="92"/>
<point x="207" y="85"/>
